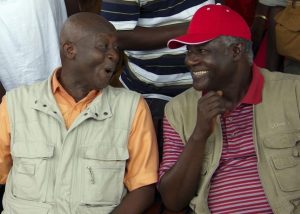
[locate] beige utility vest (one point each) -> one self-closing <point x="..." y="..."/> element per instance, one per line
<point x="79" y="170"/>
<point x="276" y="134"/>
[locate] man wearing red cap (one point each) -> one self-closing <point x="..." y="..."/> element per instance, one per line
<point x="231" y="142"/>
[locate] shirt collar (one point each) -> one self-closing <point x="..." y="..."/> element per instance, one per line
<point x="254" y="93"/>
<point x="55" y="83"/>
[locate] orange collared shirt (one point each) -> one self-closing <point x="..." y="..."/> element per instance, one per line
<point x="142" y="165"/>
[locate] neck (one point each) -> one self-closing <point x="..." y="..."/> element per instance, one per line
<point x="235" y="92"/>
<point x="73" y="86"/>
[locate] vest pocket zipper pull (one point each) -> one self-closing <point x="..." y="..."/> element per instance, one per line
<point x="92" y="177"/>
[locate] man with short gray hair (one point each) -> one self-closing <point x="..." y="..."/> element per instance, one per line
<point x="231" y="142"/>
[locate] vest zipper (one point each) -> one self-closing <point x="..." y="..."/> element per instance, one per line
<point x="92" y="177"/>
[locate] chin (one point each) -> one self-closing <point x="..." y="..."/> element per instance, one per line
<point x="100" y="87"/>
<point x="199" y="87"/>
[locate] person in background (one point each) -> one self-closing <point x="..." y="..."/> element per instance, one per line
<point x="29" y="40"/>
<point x="73" y="144"/>
<point x="268" y="11"/>
<point x="143" y="29"/>
<point x="231" y="142"/>
<point x="263" y="29"/>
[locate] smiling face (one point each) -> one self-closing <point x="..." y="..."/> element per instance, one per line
<point x="96" y="59"/>
<point x="212" y="65"/>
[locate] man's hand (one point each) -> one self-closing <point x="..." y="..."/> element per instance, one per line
<point x="209" y="107"/>
<point x="186" y="173"/>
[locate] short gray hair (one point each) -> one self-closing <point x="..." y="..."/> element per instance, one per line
<point x="229" y="40"/>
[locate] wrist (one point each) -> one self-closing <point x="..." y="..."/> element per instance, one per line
<point x="260" y="16"/>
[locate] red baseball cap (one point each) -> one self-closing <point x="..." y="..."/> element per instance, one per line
<point x="210" y="22"/>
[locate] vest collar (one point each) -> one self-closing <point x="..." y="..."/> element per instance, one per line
<point x="99" y="109"/>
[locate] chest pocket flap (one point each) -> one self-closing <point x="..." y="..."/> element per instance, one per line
<point x="32" y="150"/>
<point x="105" y="153"/>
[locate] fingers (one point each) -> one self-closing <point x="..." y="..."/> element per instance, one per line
<point x="212" y="103"/>
<point x="209" y="107"/>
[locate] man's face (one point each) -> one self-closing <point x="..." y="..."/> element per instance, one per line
<point x="211" y="65"/>
<point x="97" y="56"/>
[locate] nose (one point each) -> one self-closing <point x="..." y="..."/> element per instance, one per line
<point x="192" y="59"/>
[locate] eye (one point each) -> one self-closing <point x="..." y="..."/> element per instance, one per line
<point x="201" y="51"/>
<point x="116" y="48"/>
<point x="197" y="50"/>
<point x="102" y="47"/>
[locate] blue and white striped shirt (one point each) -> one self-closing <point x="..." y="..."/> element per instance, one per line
<point x="159" y="73"/>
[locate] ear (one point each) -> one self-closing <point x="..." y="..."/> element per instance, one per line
<point x="69" y="50"/>
<point x="237" y="50"/>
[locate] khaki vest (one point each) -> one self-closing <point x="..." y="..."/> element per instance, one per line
<point x="59" y="171"/>
<point x="276" y="128"/>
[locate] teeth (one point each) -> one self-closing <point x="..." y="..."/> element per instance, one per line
<point x="200" y="73"/>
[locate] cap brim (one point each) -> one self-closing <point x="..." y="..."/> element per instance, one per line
<point x="188" y="39"/>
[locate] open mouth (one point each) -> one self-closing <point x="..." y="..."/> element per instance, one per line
<point x="109" y="70"/>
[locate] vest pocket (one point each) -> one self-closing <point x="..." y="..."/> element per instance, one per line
<point x="287" y="173"/>
<point x="17" y="206"/>
<point x="282" y="152"/>
<point x="30" y="172"/>
<point x="103" y="175"/>
<point x="94" y="210"/>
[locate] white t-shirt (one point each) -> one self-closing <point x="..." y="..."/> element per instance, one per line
<point x="29" y="40"/>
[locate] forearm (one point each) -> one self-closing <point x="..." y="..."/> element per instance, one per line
<point x="137" y="201"/>
<point x="274" y="60"/>
<point x="72" y="7"/>
<point x="259" y="25"/>
<point x="143" y="38"/>
<point x="184" y="175"/>
<point x="93" y="6"/>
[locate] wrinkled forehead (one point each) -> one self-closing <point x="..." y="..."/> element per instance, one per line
<point x="82" y="29"/>
<point x="96" y="37"/>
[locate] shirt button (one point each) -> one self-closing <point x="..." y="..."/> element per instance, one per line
<point x="234" y="134"/>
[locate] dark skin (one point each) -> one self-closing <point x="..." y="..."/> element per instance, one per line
<point x="141" y="38"/>
<point x="2" y="91"/>
<point x="72" y="7"/>
<point x="75" y="6"/>
<point x="259" y="26"/>
<point x="93" y="6"/>
<point x="273" y="60"/>
<point x="226" y="77"/>
<point x="89" y="53"/>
